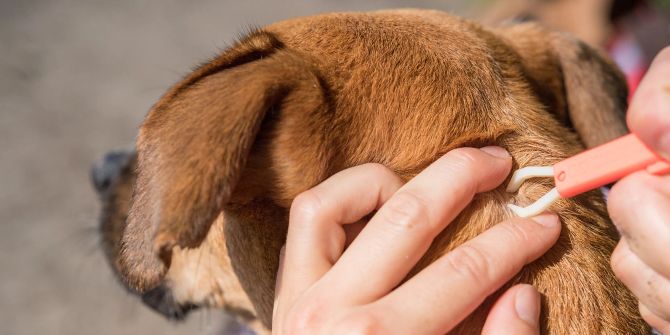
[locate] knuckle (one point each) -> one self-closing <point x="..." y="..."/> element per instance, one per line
<point x="654" y="313"/>
<point x="463" y="156"/>
<point x="405" y="210"/>
<point x="618" y="262"/>
<point x="614" y="203"/>
<point x="627" y="268"/>
<point x="645" y="313"/>
<point x="617" y="269"/>
<point x="380" y="174"/>
<point x="615" y="263"/>
<point x="304" y="319"/>
<point x="632" y="184"/>
<point x="464" y="162"/>
<point x="377" y="169"/>
<point x="620" y="203"/>
<point x="516" y="232"/>
<point x="472" y="263"/>
<point x="306" y="206"/>
<point x="360" y="323"/>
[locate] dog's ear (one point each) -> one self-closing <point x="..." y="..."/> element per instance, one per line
<point x="194" y="143"/>
<point x="578" y="83"/>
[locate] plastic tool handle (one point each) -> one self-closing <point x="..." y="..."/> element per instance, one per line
<point x="605" y="164"/>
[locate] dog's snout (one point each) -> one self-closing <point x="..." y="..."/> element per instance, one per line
<point x="161" y="300"/>
<point x="106" y="169"/>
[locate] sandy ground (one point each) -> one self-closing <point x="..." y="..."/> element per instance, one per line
<point x="76" y="78"/>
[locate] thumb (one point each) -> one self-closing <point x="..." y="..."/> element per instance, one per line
<point x="517" y="312"/>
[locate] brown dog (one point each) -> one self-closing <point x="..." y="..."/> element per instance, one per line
<point x="224" y="152"/>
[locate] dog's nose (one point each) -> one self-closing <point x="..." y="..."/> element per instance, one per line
<point x="161" y="300"/>
<point x="106" y="169"/>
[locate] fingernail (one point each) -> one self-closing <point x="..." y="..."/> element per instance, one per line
<point x="527" y="305"/>
<point x="663" y="146"/>
<point x="496" y="151"/>
<point x="547" y="219"/>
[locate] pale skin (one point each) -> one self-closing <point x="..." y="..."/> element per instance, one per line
<point x="325" y="288"/>
<point x="640" y="203"/>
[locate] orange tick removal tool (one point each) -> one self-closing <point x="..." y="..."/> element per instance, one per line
<point x="589" y="170"/>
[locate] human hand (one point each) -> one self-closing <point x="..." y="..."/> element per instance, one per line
<point x="324" y="289"/>
<point x="640" y="203"/>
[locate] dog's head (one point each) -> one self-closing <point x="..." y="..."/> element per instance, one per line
<point x="297" y="101"/>
<point x="197" y="277"/>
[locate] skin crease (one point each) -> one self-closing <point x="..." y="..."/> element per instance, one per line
<point x="320" y="288"/>
<point x="295" y="103"/>
<point x="640" y="203"/>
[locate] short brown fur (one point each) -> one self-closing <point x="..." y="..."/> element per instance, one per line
<point x="298" y="101"/>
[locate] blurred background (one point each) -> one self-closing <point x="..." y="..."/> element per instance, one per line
<point x="76" y="79"/>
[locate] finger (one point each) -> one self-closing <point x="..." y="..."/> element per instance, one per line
<point x="517" y="312"/>
<point x="444" y="293"/>
<point x="402" y="230"/>
<point x="649" y="112"/>
<point x="649" y="287"/>
<point x="639" y="206"/>
<point x="315" y="236"/>
<point x="278" y="282"/>
<point x="654" y="320"/>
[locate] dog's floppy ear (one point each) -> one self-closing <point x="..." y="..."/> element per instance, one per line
<point x="580" y="85"/>
<point x="194" y="143"/>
